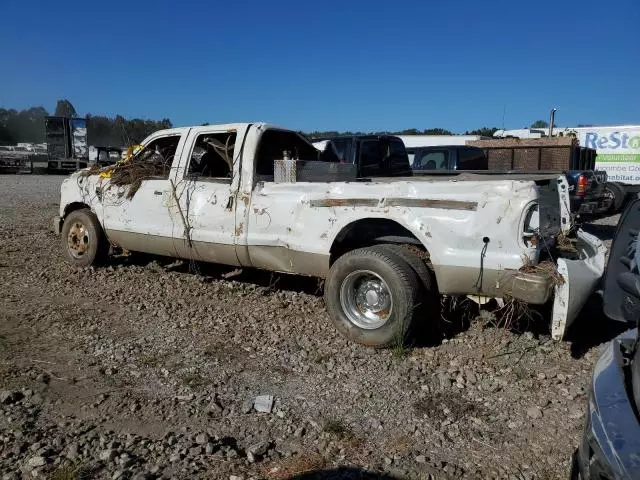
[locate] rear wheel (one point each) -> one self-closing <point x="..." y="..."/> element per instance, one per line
<point x="83" y="241"/>
<point x="617" y="193"/>
<point x="416" y="263"/>
<point x="371" y="295"/>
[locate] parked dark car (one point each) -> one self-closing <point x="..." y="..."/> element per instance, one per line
<point x="610" y="446"/>
<point x="374" y="155"/>
<point x="449" y="157"/>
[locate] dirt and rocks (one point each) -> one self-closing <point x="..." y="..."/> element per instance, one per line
<point x="144" y="370"/>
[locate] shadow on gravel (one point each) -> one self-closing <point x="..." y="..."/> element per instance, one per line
<point x="442" y="319"/>
<point x="592" y="328"/>
<point x="269" y="281"/>
<point x="603" y="232"/>
<point x="345" y="473"/>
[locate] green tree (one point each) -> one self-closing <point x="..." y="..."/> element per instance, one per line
<point x="436" y="131"/>
<point x="539" y="124"/>
<point x="410" y="131"/>
<point x="484" y="131"/>
<point x="5" y="136"/>
<point x="64" y="108"/>
<point x="24" y="125"/>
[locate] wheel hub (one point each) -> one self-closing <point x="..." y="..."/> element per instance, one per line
<point x="366" y="299"/>
<point x="78" y="240"/>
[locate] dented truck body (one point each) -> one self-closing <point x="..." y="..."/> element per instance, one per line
<point x="482" y="235"/>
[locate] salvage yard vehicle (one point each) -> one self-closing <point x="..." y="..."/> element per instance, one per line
<point x="447" y="157"/>
<point x="385" y="246"/>
<point x="374" y="155"/>
<point x="611" y="439"/>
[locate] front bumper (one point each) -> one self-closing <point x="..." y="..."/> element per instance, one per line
<point x="611" y="439"/>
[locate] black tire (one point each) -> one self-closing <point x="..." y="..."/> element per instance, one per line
<point x="83" y="240"/>
<point x="417" y="265"/>
<point x="426" y="327"/>
<point x="618" y="194"/>
<point x="399" y="282"/>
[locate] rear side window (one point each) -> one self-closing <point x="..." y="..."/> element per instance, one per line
<point x="472" y="159"/>
<point x="432" y="160"/>
<point x="272" y="146"/>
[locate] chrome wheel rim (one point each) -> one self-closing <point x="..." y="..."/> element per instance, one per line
<point x="366" y="299"/>
<point x="78" y="240"/>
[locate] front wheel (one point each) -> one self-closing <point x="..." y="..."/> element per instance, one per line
<point x="83" y="241"/>
<point x="371" y="295"/>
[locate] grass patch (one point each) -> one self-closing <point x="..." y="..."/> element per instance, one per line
<point x="193" y="379"/>
<point x="210" y="351"/>
<point x="400" y="351"/>
<point x="71" y="471"/>
<point x="321" y="358"/>
<point x="337" y="427"/>
<point x="149" y="360"/>
<point x="440" y="406"/>
<point x="295" y="466"/>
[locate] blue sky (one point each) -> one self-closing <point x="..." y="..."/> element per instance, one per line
<point x="343" y="65"/>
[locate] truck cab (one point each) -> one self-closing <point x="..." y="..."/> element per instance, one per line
<point x="374" y="155"/>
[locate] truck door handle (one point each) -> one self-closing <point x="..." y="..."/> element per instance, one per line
<point x="157" y="192"/>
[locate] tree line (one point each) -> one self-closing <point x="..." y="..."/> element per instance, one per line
<point x="29" y="126"/>
<point x="485" y="131"/>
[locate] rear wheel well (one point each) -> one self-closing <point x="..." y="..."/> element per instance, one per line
<point x="74" y="206"/>
<point x="372" y="231"/>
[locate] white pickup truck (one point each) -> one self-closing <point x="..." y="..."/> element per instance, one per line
<point x="383" y="246"/>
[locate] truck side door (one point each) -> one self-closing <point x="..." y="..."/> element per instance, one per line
<point x="138" y="213"/>
<point x="207" y="188"/>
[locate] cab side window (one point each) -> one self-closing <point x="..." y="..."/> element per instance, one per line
<point x="157" y="157"/>
<point x="212" y="156"/>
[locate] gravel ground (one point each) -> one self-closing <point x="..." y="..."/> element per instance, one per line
<point x="143" y="369"/>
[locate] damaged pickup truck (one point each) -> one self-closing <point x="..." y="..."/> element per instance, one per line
<point x="384" y="245"/>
